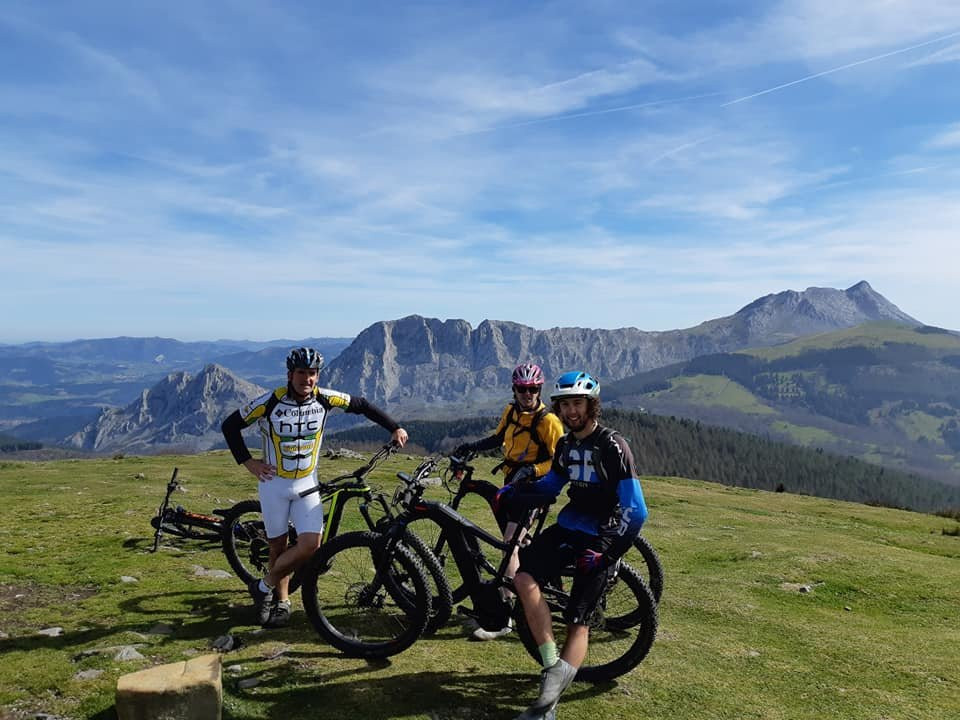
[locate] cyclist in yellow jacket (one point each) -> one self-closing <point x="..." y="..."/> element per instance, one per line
<point x="528" y="433"/>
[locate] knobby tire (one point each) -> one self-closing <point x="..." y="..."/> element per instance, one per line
<point x="358" y="610"/>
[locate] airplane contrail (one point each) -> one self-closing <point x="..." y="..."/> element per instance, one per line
<point x="680" y="148"/>
<point x="588" y="113"/>
<point x="842" y="67"/>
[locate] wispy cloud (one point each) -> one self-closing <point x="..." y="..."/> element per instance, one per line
<point x="949" y="138"/>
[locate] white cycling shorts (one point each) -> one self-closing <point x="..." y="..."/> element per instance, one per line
<point x="280" y="503"/>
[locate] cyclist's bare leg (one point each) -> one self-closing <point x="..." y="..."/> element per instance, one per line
<point x="293" y="557"/>
<point x="514" y="563"/>
<point x="535" y="608"/>
<point x="278" y="546"/>
<point x="575" y="646"/>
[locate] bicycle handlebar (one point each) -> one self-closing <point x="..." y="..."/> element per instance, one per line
<point x="358" y="476"/>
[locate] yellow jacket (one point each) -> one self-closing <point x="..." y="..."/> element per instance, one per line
<point x="520" y="446"/>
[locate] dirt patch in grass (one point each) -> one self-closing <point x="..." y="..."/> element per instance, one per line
<point x="14" y="596"/>
<point x="17" y="600"/>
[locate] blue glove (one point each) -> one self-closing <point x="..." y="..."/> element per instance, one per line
<point x="503" y="496"/>
<point x="590" y="561"/>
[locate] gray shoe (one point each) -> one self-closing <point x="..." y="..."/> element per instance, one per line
<point x="548" y="715"/>
<point x="263" y="602"/>
<point x="553" y="681"/>
<point x="279" y="616"/>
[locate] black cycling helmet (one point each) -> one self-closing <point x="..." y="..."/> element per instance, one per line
<point x="305" y="358"/>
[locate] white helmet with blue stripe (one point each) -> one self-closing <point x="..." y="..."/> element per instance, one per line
<point x="575" y="384"/>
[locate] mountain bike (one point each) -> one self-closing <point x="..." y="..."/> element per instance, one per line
<point x="180" y="522"/>
<point x="246" y="548"/>
<point x="457" y="478"/>
<point x="622" y="627"/>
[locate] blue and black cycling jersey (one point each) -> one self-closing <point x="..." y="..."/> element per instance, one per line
<point x="606" y="499"/>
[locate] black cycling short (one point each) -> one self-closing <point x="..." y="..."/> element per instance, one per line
<point x="556" y="549"/>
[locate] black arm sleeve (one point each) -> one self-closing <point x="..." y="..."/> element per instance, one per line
<point x="360" y="406"/>
<point x="232" y="429"/>
<point x="488" y="443"/>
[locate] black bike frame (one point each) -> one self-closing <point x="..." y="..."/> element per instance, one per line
<point x="483" y="488"/>
<point x="464" y="537"/>
<point x="181" y="516"/>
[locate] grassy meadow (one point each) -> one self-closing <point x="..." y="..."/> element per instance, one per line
<point x="775" y="606"/>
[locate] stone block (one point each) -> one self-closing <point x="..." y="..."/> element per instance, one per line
<point x="187" y="690"/>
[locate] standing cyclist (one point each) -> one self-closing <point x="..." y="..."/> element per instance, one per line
<point x="528" y="433"/>
<point x="291" y="421"/>
<point x="598" y="525"/>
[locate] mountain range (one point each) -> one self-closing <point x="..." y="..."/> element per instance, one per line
<point x="424" y="366"/>
<point x="418" y="367"/>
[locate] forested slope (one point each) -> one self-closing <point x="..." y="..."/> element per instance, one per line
<point x="670" y="446"/>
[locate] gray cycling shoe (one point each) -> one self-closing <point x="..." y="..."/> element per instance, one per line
<point x="548" y="715"/>
<point x="263" y="602"/>
<point x="279" y="616"/>
<point x="554" y="680"/>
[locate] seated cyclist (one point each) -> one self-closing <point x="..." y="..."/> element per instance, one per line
<point x="597" y="526"/>
<point x="291" y="421"/>
<point x="528" y="433"/>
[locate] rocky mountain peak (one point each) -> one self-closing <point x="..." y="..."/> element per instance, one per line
<point x="181" y="410"/>
<point x="790" y="314"/>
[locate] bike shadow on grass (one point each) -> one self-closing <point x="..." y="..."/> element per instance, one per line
<point x="144" y="546"/>
<point x="439" y="694"/>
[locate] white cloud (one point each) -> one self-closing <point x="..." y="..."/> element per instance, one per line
<point x="948" y="139"/>
<point x="940" y="56"/>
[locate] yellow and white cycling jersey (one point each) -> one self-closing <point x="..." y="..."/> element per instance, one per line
<point x="292" y="432"/>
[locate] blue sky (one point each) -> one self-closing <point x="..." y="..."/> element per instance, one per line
<point x="265" y="170"/>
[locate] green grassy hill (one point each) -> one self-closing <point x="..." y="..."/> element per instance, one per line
<point x="886" y="393"/>
<point x="874" y="636"/>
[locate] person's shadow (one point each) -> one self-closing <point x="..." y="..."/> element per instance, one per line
<point x="454" y="694"/>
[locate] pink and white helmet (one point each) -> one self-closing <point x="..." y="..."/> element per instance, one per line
<point x="527" y="374"/>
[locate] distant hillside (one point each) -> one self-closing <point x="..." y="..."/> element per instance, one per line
<point x="10" y="444"/>
<point x="267" y="366"/>
<point x="667" y="446"/>
<point x="886" y="393"/>
<point x="49" y="390"/>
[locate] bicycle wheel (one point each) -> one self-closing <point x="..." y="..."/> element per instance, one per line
<point x="648" y="560"/>
<point x="432" y="536"/>
<point x="441" y="599"/>
<point x="360" y="611"/>
<point x="622" y="627"/>
<point x="244" y="542"/>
